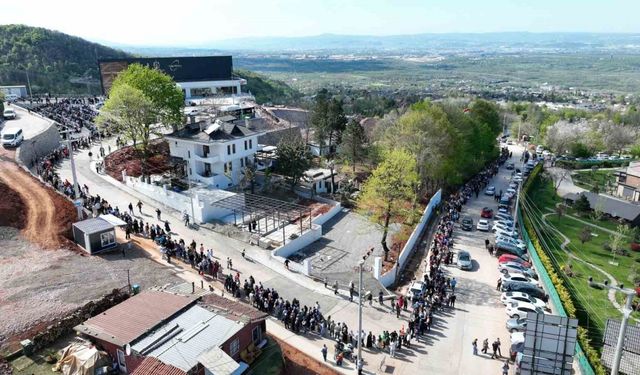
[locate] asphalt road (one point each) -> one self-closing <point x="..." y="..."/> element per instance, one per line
<point x="31" y="125"/>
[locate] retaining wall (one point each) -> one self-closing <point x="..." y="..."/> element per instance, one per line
<point x="39" y="145"/>
<point x="293" y="246"/>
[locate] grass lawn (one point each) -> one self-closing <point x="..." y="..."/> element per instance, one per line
<point x="593" y="304"/>
<point x="589" y="179"/>
<point x="270" y="361"/>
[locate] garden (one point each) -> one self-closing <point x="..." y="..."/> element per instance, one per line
<point x="579" y="242"/>
<point x="602" y="181"/>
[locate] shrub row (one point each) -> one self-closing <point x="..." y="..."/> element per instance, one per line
<point x="584" y="164"/>
<point x="566" y="298"/>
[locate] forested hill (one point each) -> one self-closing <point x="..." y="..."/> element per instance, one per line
<point x="57" y="63"/>
<point x="267" y="90"/>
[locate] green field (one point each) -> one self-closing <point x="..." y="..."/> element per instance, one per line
<point x="593" y="305"/>
<point x="604" y="180"/>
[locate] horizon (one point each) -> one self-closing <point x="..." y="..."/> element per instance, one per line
<point x="201" y="22"/>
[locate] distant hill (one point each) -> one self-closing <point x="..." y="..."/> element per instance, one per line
<point x="267" y="90"/>
<point x="57" y="63"/>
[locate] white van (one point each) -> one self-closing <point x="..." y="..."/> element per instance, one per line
<point x="9" y="114"/>
<point x="12" y="137"/>
<point x="11" y="97"/>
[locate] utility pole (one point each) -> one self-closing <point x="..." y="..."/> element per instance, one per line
<point x="186" y="172"/>
<point x="28" y="82"/>
<point x="626" y="313"/>
<point x="359" y="362"/>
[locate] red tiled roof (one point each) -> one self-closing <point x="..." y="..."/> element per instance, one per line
<point x="237" y="309"/>
<point x="130" y="319"/>
<point x="153" y="366"/>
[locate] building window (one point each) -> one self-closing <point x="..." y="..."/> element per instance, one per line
<point x="226" y="168"/>
<point x="235" y="347"/>
<point x="228" y="149"/>
<point x="188" y="154"/>
<point x="245" y="145"/>
<point x="241" y="163"/>
<point x="250" y="143"/>
<point x="233" y="146"/>
<point x="107" y="238"/>
<point x="256" y="335"/>
<point x="230" y="166"/>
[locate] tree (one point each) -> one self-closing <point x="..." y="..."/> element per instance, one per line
<point x="293" y="160"/>
<point x="585" y="234"/>
<point x="617" y="137"/>
<point x="159" y="88"/>
<point x="320" y="118"/>
<point x="618" y="239"/>
<point x="582" y="204"/>
<point x="131" y="114"/>
<point x="580" y="150"/>
<point x="560" y="209"/>
<point x="336" y="121"/>
<point x="389" y="190"/>
<point x="249" y="177"/>
<point x="352" y="146"/>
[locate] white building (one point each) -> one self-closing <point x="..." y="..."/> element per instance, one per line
<point x="216" y="151"/>
<point x="14" y="91"/>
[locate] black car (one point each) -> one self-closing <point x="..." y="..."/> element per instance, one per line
<point x="519" y="286"/>
<point x="467" y="223"/>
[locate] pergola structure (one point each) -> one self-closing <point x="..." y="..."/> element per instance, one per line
<point x="264" y="215"/>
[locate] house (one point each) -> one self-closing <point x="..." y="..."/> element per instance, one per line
<point x="629" y="182"/>
<point x="611" y="206"/>
<point x="318" y="180"/>
<point x="156" y="332"/>
<point x="95" y="235"/>
<point x="215" y="150"/>
<point x="197" y="76"/>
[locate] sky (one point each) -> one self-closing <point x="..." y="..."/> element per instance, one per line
<point x="192" y="22"/>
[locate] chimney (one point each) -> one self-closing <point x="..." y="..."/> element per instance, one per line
<point x="247" y="124"/>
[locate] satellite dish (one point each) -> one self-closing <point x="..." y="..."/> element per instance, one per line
<point x="127" y="349"/>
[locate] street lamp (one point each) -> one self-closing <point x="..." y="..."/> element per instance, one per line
<point x="626" y="313"/>
<point x="359" y="362"/>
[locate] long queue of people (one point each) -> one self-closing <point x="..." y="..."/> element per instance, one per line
<point x="71" y="114"/>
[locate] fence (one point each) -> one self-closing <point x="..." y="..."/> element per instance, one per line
<point x="554" y="297"/>
<point x="389" y="277"/>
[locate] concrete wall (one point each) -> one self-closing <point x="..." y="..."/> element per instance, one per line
<point x="293" y="246"/>
<point x="175" y="200"/>
<point x="387" y="279"/>
<point x="320" y="220"/>
<point x="39" y="145"/>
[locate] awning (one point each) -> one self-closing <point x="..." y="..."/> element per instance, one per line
<point x="113" y="220"/>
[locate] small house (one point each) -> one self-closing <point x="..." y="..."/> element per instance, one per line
<point x="95" y="235"/>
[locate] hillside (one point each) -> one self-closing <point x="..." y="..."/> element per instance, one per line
<point x="267" y="90"/>
<point x="57" y="63"/>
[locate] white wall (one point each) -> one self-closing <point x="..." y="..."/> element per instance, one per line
<point x="320" y="220"/>
<point x="293" y="246"/>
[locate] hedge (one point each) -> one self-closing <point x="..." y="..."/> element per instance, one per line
<point x="565" y="296"/>
<point x="585" y="164"/>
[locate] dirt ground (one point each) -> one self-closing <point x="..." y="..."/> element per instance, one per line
<point x="298" y="363"/>
<point x="127" y="159"/>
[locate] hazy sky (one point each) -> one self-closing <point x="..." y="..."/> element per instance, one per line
<point x="188" y="22"/>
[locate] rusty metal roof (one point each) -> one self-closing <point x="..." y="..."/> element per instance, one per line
<point x="233" y="309"/>
<point x="134" y="317"/>
<point x="153" y="366"/>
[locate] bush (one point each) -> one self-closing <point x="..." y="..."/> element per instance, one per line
<point x="585" y="164"/>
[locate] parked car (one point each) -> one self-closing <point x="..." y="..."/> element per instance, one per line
<point x="9" y="114"/>
<point x="511" y="192"/>
<point x="505" y="200"/>
<point x="508" y="297"/>
<point x="511" y="232"/>
<point x="510" y="166"/>
<point x="506" y="248"/>
<point x="486" y="213"/>
<point x="503" y="216"/>
<point x="516" y="325"/>
<point x="506" y="258"/>
<point x="532" y="290"/>
<point x="483" y="225"/>
<point x="416" y="290"/>
<point x="521" y="309"/>
<point x="12" y="137"/>
<point x="513" y="267"/>
<point x="512" y="241"/>
<point x="466" y="223"/>
<point x="519" y="277"/>
<point x="464" y="260"/>
<point x="501" y="225"/>
<point x="491" y="190"/>
<point x="503" y="210"/>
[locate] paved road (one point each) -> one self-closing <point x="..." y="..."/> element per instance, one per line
<point x="30" y="124"/>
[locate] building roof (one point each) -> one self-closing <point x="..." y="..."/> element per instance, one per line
<point x="152" y="366"/>
<point x="131" y="319"/>
<point x="93" y="225"/>
<point x="609" y="205"/>
<point x="218" y="362"/>
<point x="182" y="339"/>
<point x="633" y="169"/>
<point x="233" y="309"/>
<point x="220" y="130"/>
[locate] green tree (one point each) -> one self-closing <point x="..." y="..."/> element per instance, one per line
<point x="486" y="113"/>
<point x="582" y="204"/>
<point x="293" y="160"/>
<point x="159" y="88"/>
<point x="130" y="113"/>
<point x="249" y="177"/>
<point x="585" y="234"/>
<point x="580" y="150"/>
<point x="389" y="190"/>
<point x="336" y="121"/>
<point x="320" y="118"/>
<point x="352" y="147"/>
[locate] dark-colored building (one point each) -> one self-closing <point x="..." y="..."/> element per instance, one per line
<point x="95" y="235"/>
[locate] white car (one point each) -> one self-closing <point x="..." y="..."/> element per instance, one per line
<point x="518" y="277"/>
<point x="416" y="290"/>
<point x="511" y="192"/>
<point x="503" y="210"/>
<point x="513" y="267"/>
<point x="502" y="225"/>
<point x="506" y="222"/>
<point x="509" y="297"/>
<point x="512" y="241"/>
<point x="503" y="216"/>
<point x="513" y="233"/>
<point x="517" y="179"/>
<point x="491" y="190"/>
<point x="520" y="309"/>
<point x="483" y="225"/>
<point x="9" y="114"/>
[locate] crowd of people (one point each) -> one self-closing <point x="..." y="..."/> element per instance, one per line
<point x="71" y="114"/>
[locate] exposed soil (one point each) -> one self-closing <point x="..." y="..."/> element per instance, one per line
<point x="298" y="363"/>
<point x="11" y="208"/>
<point x="128" y="159"/>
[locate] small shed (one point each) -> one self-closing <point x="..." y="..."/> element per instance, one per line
<point x="95" y="235"/>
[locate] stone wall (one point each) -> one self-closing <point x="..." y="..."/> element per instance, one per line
<point x="65" y="325"/>
<point x="39" y="145"/>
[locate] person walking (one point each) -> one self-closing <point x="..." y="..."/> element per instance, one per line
<point x="159" y="214"/>
<point x="485" y="346"/>
<point x="392" y="349"/>
<point x="139" y="206"/>
<point x="499" y="285"/>
<point x="453" y="284"/>
<point x="167" y="228"/>
<point x="505" y="367"/>
<point x="130" y="208"/>
<point x="494" y="347"/>
<point x="498" y="345"/>
<point x="335" y="287"/>
<point x="324" y="352"/>
<point x="381" y="298"/>
<point x="474" y="345"/>
<point x="186" y="219"/>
